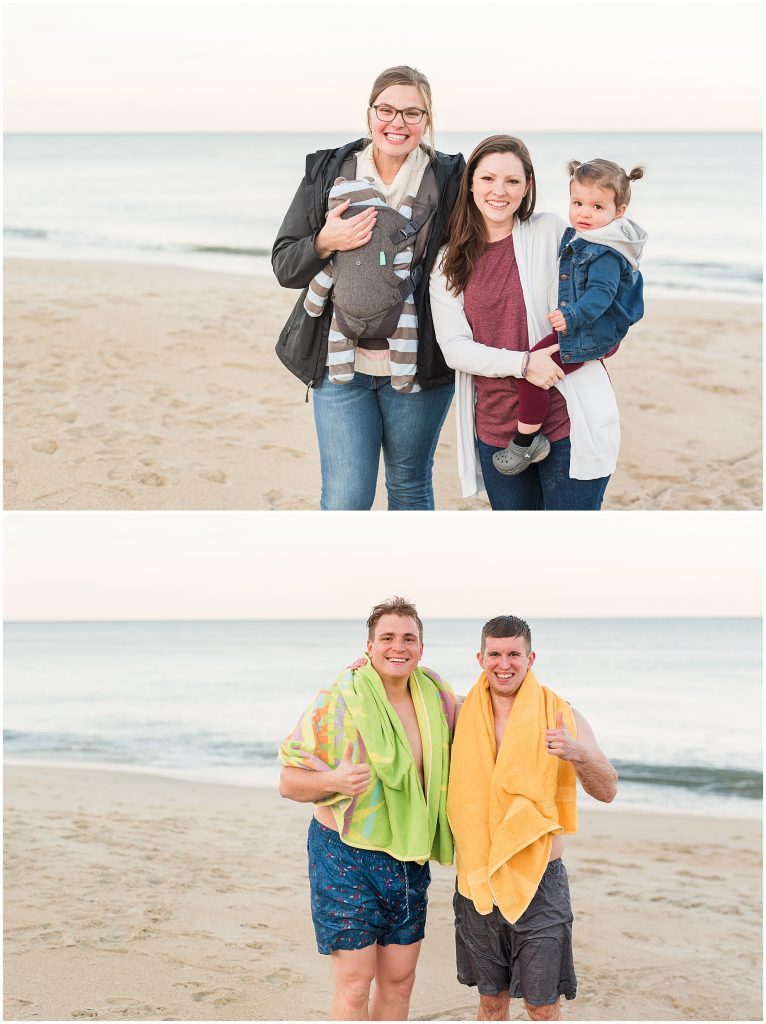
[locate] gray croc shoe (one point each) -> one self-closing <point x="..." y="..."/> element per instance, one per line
<point x="514" y="459"/>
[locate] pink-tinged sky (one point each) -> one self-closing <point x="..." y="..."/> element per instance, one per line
<point x="178" y="565"/>
<point x="571" y="66"/>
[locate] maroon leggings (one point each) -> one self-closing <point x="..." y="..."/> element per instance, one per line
<point x="534" y="401"/>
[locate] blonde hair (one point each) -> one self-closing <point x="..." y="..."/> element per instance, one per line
<point x="403" y="74"/>
<point x="606" y="174"/>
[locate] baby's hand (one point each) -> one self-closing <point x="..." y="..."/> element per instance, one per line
<point x="558" y="323"/>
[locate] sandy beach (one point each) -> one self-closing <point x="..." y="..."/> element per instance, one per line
<point x="137" y="387"/>
<point x="134" y="897"/>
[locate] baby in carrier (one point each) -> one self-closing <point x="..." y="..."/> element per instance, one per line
<point x="372" y="287"/>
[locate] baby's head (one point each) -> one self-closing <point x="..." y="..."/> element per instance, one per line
<point x="599" y="192"/>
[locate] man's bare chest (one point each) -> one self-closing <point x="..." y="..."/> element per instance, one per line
<point x="409" y="720"/>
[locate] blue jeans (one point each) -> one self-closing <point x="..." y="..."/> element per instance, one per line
<point x="545" y="485"/>
<point x="355" y="420"/>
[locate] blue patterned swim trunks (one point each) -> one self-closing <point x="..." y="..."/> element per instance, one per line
<point x="360" y="897"/>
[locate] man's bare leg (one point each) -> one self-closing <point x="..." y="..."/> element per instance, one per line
<point x="394" y="978"/>
<point x="354" y="970"/>
<point x="494" y="1007"/>
<point x="552" y="1012"/>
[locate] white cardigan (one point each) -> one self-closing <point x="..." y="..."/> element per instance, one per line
<point x="592" y="407"/>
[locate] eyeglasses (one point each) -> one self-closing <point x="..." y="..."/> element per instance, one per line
<point x="412" y="115"/>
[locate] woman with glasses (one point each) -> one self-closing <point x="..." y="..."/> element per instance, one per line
<point x="490" y="297"/>
<point x="361" y="412"/>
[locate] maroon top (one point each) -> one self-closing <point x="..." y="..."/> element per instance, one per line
<point x="495" y="309"/>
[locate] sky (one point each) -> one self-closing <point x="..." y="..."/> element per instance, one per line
<point x="571" y="66"/>
<point x="297" y="565"/>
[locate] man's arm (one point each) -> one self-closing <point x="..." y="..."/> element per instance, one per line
<point x="593" y="768"/>
<point x="307" y="786"/>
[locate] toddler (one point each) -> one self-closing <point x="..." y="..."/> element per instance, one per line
<point x="600" y="294"/>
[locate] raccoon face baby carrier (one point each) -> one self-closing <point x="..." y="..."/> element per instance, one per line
<point x="373" y="286"/>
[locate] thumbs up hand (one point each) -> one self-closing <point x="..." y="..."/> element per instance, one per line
<point x="348" y="778"/>
<point x="560" y="742"/>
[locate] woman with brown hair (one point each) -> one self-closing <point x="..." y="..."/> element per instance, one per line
<point x="490" y="297"/>
<point x="367" y="407"/>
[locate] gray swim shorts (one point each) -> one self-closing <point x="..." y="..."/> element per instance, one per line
<point x="531" y="959"/>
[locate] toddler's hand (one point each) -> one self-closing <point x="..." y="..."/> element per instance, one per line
<point x="557" y="321"/>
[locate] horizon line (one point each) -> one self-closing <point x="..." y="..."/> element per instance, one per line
<point x="304" y="131"/>
<point x="434" y="618"/>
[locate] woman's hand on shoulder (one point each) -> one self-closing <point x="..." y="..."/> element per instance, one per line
<point x="542" y="371"/>
<point x="340" y="235"/>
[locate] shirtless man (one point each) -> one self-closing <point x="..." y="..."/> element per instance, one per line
<point x="377" y="823"/>
<point x="530" y="958"/>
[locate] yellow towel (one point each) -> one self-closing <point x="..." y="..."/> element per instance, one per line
<point x="504" y="810"/>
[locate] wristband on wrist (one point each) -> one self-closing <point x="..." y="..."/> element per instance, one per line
<point x="525" y="364"/>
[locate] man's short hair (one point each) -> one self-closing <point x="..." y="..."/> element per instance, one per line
<point x="503" y="626"/>
<point x="394" y="606"/>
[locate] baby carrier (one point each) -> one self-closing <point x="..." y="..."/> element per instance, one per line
<point x="373" y="286"/>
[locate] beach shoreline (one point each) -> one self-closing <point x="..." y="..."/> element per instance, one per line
<point x="156" y="387"/>
<point x="268" y="783"/>
<point x="137" y="897"/>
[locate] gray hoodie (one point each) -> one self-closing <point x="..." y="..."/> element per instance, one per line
<point x="623" y="235"/>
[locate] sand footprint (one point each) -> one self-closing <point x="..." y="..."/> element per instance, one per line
<point x="283" y="977"/>
<point x="199" y="996"/>
<point x="44" y="444"/>
<point x="216" y="476"/>
<point x="152" y="479"/>
<point x="242" y="366"/>
<point x="184" y="346"/>
<point x="284" y="448"/>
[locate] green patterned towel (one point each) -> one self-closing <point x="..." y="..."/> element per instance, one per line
<point x="393" y="814"/>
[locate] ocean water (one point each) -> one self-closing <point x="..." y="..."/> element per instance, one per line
<point x="676" y="704"/>
<point x="215" y="201"/>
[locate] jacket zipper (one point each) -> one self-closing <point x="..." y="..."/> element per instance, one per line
<point x="317" y="374"/>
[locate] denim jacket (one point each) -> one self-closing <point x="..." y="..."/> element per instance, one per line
<point x="600" y="289"/>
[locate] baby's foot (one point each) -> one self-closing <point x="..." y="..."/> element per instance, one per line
<point x="514" y="459"/>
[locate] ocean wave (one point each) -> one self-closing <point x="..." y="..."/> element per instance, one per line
<point x="700" y="778"/>
<point x="690" y="270"/>
<point x="80" y="238"/>
<point x="177" y="749"/>
<point x="199" y="750"/>
<point x="225" y="250"/>
<point x="744" y="271"/>
<point x="743" y="281"/>
<point x="24" y="233"/>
